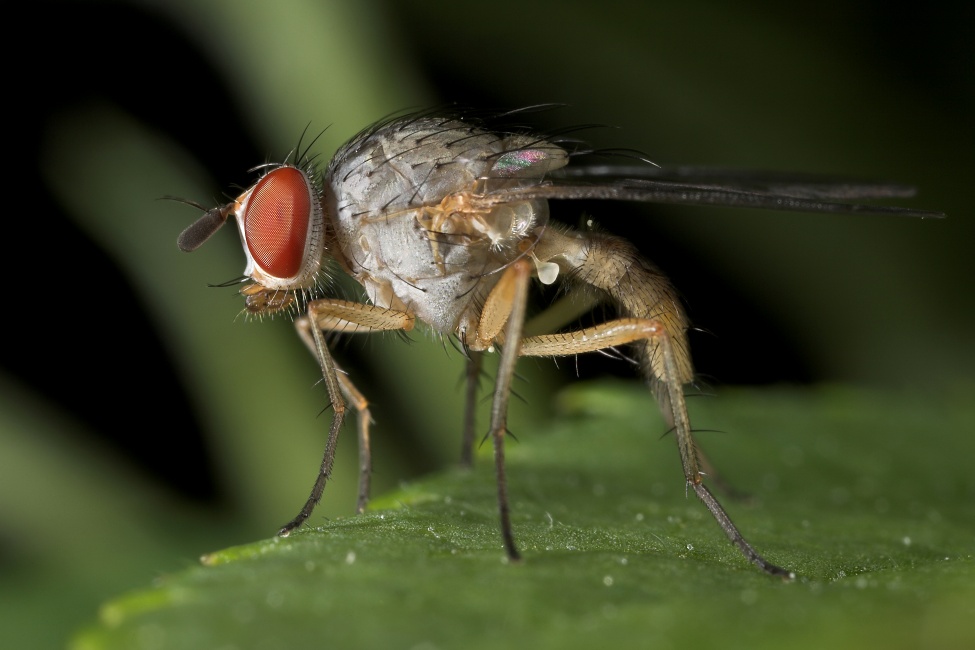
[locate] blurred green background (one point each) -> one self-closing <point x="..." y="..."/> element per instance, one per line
<point x="141" y="414"/>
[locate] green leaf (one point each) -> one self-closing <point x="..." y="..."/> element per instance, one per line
<point x="867" y="496"/>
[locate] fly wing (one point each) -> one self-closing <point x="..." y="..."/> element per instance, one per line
<point x="715" y="187"/>
<point x="796" y="185"/>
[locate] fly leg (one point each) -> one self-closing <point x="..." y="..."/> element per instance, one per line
<point x="502" y="321"/>
<point x="357" y="401"/>
<point x="631" y="330"/>
<point x="655" y="322"/>
<point x="342" y="316"/>
<point x="473" y="380"/>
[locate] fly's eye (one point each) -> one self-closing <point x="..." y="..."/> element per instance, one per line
<point x="275" y="221"/>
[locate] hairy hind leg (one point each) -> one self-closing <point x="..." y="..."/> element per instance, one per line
<point x="654" y="321"/>
<point x="629" y="330"/>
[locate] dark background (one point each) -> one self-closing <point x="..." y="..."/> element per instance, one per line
<point x="122" y="365"/>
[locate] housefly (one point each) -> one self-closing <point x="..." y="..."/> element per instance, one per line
<point x="442" y="217"/>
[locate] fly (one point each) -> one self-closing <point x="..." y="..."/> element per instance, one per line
<point x="445" y="221"/>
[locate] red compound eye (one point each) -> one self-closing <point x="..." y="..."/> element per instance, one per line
<point x="276" y="221"/>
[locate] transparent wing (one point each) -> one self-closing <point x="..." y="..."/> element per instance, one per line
<point x="721" y="187"/>
<point x="792" y="184"/>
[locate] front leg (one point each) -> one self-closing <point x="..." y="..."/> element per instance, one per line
<point x="342" y="316"/>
